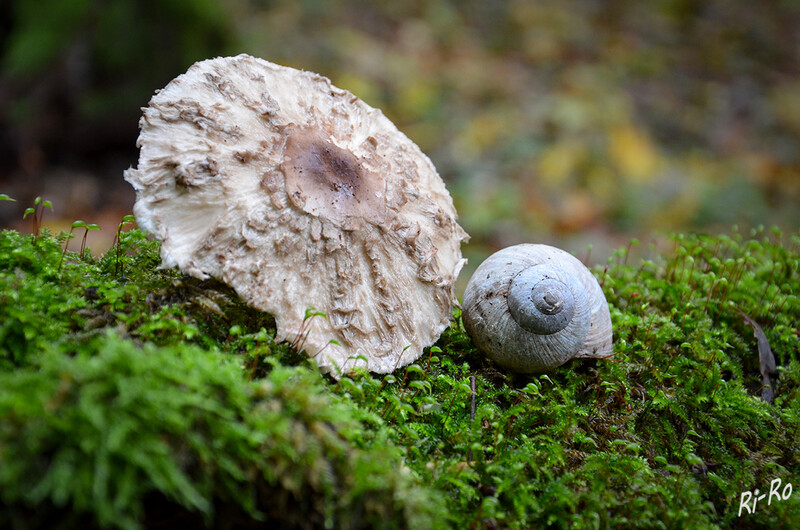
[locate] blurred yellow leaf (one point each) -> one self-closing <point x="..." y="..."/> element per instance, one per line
<point x="559" y="161"/>
<point x="633" y="153"/>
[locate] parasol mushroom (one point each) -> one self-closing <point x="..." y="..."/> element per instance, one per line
<point x="299" y="195"/>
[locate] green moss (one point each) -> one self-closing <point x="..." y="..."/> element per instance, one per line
<point x="134" y="408"/>
<point x="134" y="395"/>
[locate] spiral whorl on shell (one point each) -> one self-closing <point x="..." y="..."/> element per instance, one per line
<point x="531" y="308"/>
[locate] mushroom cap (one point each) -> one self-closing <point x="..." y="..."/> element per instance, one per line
<point x="299" y="195"/>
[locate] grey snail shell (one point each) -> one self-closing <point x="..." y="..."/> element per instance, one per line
<point x="531" y="308"/>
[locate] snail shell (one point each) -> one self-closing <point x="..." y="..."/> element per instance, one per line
<point x="531" y="308"/>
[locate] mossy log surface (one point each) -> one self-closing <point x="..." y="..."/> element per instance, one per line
<point x="135" y="397"/>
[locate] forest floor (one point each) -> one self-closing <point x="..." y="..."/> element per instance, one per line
<point x="137" y="397"/>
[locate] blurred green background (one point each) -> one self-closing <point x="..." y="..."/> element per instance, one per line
<point x="575" y="123"/>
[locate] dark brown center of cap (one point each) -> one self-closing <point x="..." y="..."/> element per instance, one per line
<point x="327" y="181"/>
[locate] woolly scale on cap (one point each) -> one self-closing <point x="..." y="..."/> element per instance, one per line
<point x="297" y="194"/>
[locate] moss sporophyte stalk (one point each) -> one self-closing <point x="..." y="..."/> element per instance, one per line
<point x="134" y="395"/>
